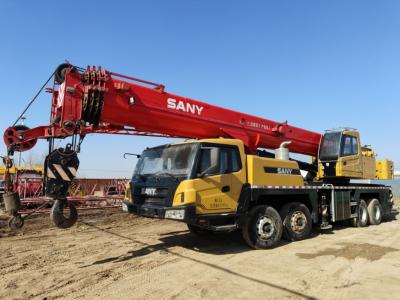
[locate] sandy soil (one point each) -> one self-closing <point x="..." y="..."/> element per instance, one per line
<point x="111" y="255"/>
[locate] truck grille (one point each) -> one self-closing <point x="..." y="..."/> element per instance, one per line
<point x="155" y="201"/>
<point x="155" y="196"/>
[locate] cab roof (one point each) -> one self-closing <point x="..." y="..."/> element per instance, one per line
<point x="222" y="141"/>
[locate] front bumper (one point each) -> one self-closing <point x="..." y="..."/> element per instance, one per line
<point x="185" y="214"/>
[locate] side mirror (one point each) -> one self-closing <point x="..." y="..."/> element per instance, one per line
<point x="132" y="154"/>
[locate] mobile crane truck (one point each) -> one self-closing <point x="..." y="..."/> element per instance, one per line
<point x="223" y="178"/>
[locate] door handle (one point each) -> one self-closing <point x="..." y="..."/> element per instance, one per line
<point x="226" y="189"/>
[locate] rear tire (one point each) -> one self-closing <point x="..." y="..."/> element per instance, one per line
<point x="262" y="228"/>
<point x="362" y="219"/>
<point x="297" y="222"/>
<point x="375" y="212"/>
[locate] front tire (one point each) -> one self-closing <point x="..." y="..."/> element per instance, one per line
<point x="362" y="218"/>
<point x="262" y="228"/>
<point x="375" y="212"/>
<point x="297" y="222"/>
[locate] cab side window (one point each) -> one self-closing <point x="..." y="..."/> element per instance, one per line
<point x="349" y="145"/>
<point x="219" y="160"/>
<point x="355" y="145"/>
<point x="208" y="158"/>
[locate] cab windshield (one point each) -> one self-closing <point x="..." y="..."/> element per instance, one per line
<point x="330" y="146"/>
<point x="175" y="160"/>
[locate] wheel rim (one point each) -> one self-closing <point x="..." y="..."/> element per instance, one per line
<point x="364" y="215"/>
<point x="377" y="212"/>
<point x="265" y="228"/>
<point x="298" y="221"/>
<point x="16" y="222"/>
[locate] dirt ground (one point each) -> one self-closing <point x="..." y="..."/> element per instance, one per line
<point x="111" y="255"/>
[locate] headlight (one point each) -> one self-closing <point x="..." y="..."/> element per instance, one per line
<point x="128" y="192"/>
<point x="175" y="214"/>
<point x="125" y="207"/>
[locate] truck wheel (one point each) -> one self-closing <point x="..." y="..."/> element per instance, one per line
<point x="262" y="228"/>
<point x="196" y="230"/>
<point x="297" y="222"/>
<point x="57" y="214"/>
<point x="362" y="219"/>
<point x="16" y="222"/>
<point x="375" y="212"/>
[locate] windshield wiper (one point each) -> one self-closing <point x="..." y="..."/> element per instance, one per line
<point x="166" y="173"/>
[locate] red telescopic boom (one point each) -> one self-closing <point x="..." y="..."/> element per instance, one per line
<point x="98" y="101"/>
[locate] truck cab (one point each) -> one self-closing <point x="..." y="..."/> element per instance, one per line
<point x="181" y="181"/>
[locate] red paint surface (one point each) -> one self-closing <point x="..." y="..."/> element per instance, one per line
<point x="130" y="107"/>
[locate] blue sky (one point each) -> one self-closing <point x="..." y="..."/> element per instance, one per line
<point x="317" y="64"/>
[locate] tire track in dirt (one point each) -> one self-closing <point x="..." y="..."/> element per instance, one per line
<point x="119" y="256"/>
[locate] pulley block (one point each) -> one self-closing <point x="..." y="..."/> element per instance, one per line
<point x="61" y="168"/>
<point x="15" y="140"/>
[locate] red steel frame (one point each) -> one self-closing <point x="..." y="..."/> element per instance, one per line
<point x="30" y="205"/>
<point x="86" y="193"/>
<point x="137" y="109"/>
<point x="27" y="182"/>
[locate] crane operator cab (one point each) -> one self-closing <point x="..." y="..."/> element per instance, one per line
<point x="341" y="157"/>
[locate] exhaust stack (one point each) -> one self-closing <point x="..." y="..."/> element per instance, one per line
<point x="282" y="152"/>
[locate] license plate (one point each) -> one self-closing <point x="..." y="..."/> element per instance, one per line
<point x="177" y="214"/>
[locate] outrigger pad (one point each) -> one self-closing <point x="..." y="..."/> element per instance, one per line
<point x="61" y="168"/>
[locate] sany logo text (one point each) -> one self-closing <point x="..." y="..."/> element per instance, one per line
<point x="185" y="107"/>
<point x="285" y="171"/>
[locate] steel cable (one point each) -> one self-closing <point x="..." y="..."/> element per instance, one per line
<point x="33" y="100"/>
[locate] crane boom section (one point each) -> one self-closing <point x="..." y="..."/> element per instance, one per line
<point x="98" y="101"/>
